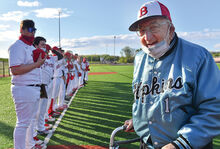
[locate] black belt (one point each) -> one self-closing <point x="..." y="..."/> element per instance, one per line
<point x="36" y="85"/>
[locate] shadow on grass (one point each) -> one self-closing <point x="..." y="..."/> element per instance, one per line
<point x="6" y="132"/>
<point x="95" y="112"/>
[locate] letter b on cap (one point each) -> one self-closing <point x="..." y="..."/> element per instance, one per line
<point x="143" y="11"/>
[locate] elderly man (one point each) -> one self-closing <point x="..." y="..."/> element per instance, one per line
<point x="176" y="86"/>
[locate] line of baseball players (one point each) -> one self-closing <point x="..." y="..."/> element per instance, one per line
<point x="62" y="73"/>
<point x="43" y="79"/>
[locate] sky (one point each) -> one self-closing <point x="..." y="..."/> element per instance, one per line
<point x="101" y="26"/>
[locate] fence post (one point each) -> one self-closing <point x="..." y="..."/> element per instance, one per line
<point x="3" y="68"/>
<point x="9" y="72"/>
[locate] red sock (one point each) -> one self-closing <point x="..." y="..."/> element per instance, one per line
<point x="50" y="110"/>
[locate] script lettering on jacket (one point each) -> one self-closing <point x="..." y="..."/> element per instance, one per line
<point x="155" y="87"/>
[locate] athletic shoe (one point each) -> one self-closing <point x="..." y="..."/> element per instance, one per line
<point x="60" y="109"/>
<point x="54" y="114"/>
<point x="38" y="141"/>
<point x="37" y="146"/>
<point x="69" y="96"/>
<point x="74" y="89"/>
<point x="48" y="126"/>
<point x="51" y="119"/>
<point x="66" y="101"/>
<point x="58" y="113"/>
<point x="65" y="106"/>
<point x="44" y="132"/>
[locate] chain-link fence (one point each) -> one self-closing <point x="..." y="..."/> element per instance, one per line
<point x="4" y="69"/>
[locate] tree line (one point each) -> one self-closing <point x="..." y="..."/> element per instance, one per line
<point x="127" y="56"/>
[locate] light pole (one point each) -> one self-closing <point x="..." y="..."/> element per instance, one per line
<point x="59" y="11"/>
<point x="114" y="47"/>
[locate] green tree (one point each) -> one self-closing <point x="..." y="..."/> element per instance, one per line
<point x="127" y="52"/>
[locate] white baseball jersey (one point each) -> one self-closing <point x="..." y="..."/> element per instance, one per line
<point x="19" y="54"/>
<point x="65" y="69"/>
<point x="48" y="69"/>
<point x="58" y="67"/>
<point x="83" y="66"/>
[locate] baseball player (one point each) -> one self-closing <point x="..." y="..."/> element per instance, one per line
<point x="26" y="84"/>
<point x="47" y="70"/>
<point x="85" y="65"/>
<point x="58" y="79"/>
<point x="71" y="69"/>
<point x="77" y="72"/>
<point x="62" y="92"/>
<point x="78" y="64"/>
<point x="56" y="57"/>
<point x="67" y="56"/>
<point x="176" y="86"/>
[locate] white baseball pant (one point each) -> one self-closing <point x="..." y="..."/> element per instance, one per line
<point x="25" y="100"/>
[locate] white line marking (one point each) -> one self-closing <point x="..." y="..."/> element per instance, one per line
<point x="47" y="138"/>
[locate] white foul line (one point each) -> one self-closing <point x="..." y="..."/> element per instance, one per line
<point x="47" y="138"/>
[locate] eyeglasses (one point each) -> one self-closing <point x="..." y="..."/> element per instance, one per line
<point x="31" y="29"/>
<point x="153" y="28"/>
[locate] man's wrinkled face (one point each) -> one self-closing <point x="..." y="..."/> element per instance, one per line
<point x="153" y="31"/>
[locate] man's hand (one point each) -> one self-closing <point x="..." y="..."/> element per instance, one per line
<point x="40" y="61"/>
<point x="169" y="146"/>
<point x="129" y="124"/>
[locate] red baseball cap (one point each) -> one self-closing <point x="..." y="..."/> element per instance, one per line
<point x="48" y="47"/>
<point x="55" y="48"/>
<point x="149" y="10"/>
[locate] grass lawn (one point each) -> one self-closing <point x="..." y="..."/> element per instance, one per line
<point x="7" y="116"/>
<point x="100" y="107"/>
<point x="104" y="104"/>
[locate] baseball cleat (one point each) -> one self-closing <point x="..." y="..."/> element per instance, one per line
<point x="54" y="113"/>
<point x="38" y="141"/>
<point x="44" y="132"/>
<point x="68" y="96"/>
<point x="37" y="146"/>
<point x="48" y="126"/>
<point x="60" y="109"/>
<point x="66" y="101"/>
<point x="51" y="119"/>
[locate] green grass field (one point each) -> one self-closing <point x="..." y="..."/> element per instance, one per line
<point x="97" y="109"/>
<point x="104" y="104"/>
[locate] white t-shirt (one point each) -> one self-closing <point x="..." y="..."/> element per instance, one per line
<point x="19" y="54"/>
<point x="48" y="69"/>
